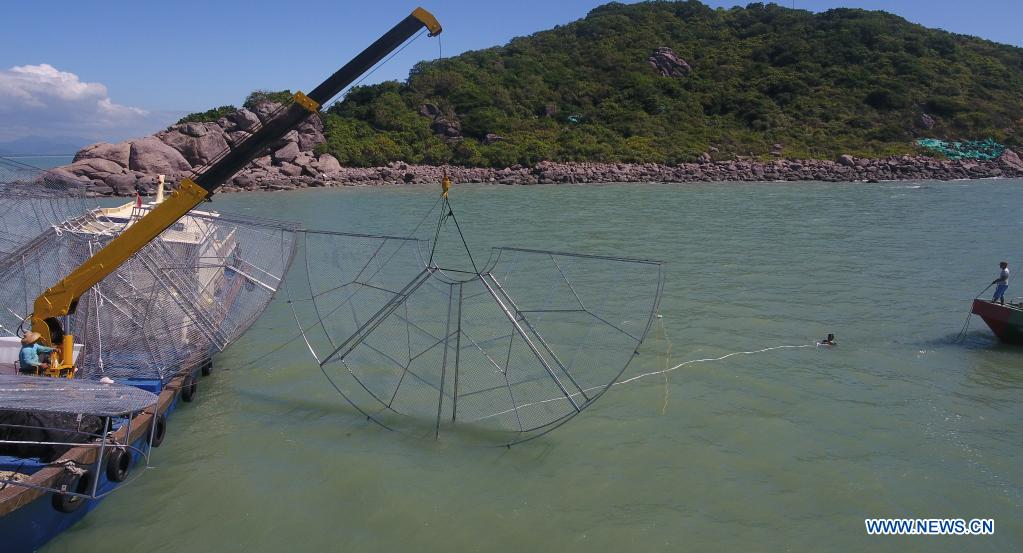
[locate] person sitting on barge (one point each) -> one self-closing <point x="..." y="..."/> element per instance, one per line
<point x="29" y="360"/>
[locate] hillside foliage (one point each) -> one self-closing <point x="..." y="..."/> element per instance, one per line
<point x="842" y="81"/>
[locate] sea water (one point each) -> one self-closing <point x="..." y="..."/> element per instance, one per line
<point x="41" y="162"/>
<point x="786" y="450"/>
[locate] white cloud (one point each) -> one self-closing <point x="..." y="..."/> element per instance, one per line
<point x="42" y="101"/>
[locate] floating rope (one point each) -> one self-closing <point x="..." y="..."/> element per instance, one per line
<point x="654" y="373"/>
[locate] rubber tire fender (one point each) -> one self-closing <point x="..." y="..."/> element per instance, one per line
<point x="118" y="464"/>
<point x="159" y="430"/>
<point x="67" y="504"/>
<point x="189" y="390"/>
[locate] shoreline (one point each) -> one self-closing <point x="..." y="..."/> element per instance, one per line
<point x="292" y="163"/>
<point x="848" y="169"/>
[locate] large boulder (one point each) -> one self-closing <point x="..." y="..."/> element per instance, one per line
<point x="150" y="155"/>
<point x="310" y="133"/>
<point x="327" y="163"/>
<point x="847" y="160"/>
<point x="447" y="127"/>
<point x="197" y="142"/>
<point x="118" y="153"/>
<point x="194" y="129"/>
<point x="669" y="64"/>
<point x="290" y="169"/>
<point x="287" y="153"/>
<point x="244" y="120"/>
<point x="265" y="110"/>
<point x="122" y="185"/>
<point x="1010" y="161"/>
<point x="94" y="168"/>
<point x="925" y="121"/>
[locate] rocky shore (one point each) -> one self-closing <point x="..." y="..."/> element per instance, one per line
<point x="116" y="169"/>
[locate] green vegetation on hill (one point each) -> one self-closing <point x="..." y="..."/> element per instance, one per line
<point x="208" y="115"/>
<point x="842" y="81"/>
<point x="846" y="81"/>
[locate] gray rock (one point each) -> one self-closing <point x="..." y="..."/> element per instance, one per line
<point x="1010" y="161"/>
<point x="327" y="164"/>
<point x="847" y="160"/>
<point x="925" y="121"/>
<point x="310" y="133"/>
<point x="704" y="158"/>
<point x="233" y="138"/>
<point x="265" y="110"/>
<point x="668" y="63"/>
<point x="150" y="155"/>
<point x="447" y="127"/>
<point x="290" y="169"/>
<point x="244" y="120"/>
<point x="118" y="153"/>
<point x="94" y="168"/>
<point x="263" y="162"/>
<point x="194" y="129"/>
<point x="304" y="159"/>
<point x="197" y="148"/>
<point x="491" y="138"/>
<point x="429" y="110"/>
<point x="100" y="190"/>
<point x="122" y="185"/>
<point x="287" y="153"/>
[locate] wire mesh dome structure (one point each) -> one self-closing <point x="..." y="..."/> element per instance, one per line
<point x="512" y="348"/>
<point x="33" y="201"/>
<point x="169" y="308"/>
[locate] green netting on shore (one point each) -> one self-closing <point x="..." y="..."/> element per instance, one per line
<point x="968" y="149"/>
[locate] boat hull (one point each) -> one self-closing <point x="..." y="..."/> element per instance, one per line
<point x="30" y="525"/>
<point x="1006" y="321"/>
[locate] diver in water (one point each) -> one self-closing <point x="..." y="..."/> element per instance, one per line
<point x="828" y="342"/>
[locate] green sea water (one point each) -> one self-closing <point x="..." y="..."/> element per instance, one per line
<point x="786" y="450"/>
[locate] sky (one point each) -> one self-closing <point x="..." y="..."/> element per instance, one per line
<point x="114" y="69"/>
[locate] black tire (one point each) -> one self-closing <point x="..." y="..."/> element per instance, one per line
<point x="118" y="465"/>
<point x="159" y="430"/>
<point x="189" y="390"/>
<point x="65" y="503"/>
<point x="207" y="367"/>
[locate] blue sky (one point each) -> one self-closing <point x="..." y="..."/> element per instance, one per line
<point x="141" y="64"/>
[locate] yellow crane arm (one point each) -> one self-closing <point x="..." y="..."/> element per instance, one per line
<point x="62" y="298"/>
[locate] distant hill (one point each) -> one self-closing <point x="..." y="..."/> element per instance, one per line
<point x="842" y="81"/>
<point x="671" y="82"/>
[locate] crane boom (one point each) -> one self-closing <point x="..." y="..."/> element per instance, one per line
<point x="62" y="298"/>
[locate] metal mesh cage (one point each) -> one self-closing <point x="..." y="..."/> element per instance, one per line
<point x="183" y="297"/>
<point x="60" y="395"/>
<point x="515" y="348"/>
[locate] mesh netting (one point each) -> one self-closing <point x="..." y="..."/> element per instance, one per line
<point x="514" y="348"/>
<point x="183" y="297"/>
<point x="62" y="395"/>
<point x="33" y="201"/>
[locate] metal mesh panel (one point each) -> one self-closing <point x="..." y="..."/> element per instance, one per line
<point x="33" y="201"/>
<point x="183" y="297"/>
<point x="515" y="348"/>
<point x="61" y="395"/>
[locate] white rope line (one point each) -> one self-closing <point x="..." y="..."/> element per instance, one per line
<point x="691" y="361"/>
<point x="644" y="375"/>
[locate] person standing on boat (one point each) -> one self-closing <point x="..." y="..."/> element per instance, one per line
<point x="29" y="360"/>
<point x="1003" y="283"/>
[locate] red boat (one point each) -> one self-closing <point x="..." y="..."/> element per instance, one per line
<point x="1006" y="321"/>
